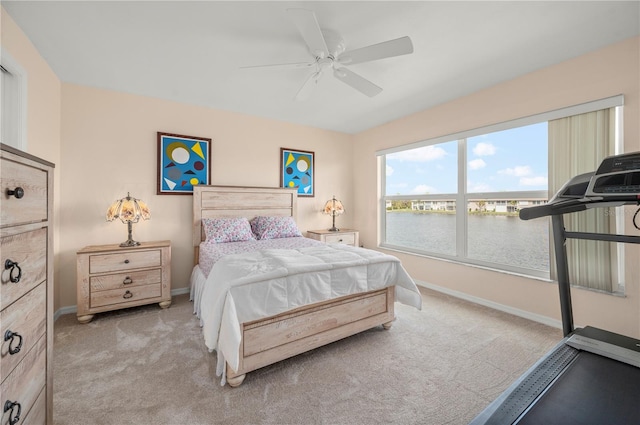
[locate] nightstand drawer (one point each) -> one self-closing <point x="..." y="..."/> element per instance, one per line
<point x="125" y="280"/>
<point x="125" y="260"/>
<point x="32" y="206"/>
<point x="124" y="295"/>
<point x="29" y="251"/>
<point x="346" y="238"/>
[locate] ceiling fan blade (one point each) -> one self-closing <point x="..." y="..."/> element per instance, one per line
<point x="307" y="24"/>
<point x="278" y="66"/>
<point x="386" y="49"/>
<point x="356" y="81"/>
<point x="308" y="87"/>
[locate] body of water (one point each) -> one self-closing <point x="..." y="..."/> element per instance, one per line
<point x="494" y="238"/>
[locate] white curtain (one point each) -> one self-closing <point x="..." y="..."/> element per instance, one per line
<point x="577" y="145"/>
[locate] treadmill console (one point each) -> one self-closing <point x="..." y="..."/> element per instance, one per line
<point x="616" y="175"/>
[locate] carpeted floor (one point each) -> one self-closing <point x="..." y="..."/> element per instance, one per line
<point x="441" y="365"/>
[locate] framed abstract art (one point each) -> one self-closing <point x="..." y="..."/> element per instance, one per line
<point x="183" y="162"/>
<point x="296" y="170"/>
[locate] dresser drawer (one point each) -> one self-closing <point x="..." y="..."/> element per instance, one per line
<point x="29" y="250"/>
<point x="27" y="318"/>
<point x="125" y="260"/>
<point x="125" y="280"/>
<point x="345" y="238"/>
<point x="32" y="207"/>
<point x="125" y="295"/>
<point x="38" y="413"/>
<point x="27" y="381"/>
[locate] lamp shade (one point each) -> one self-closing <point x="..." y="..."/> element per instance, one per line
<point x="333" y="207"/>
<point x="129" y="210"/>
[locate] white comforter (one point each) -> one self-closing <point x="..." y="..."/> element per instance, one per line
<point x="250" y="286"/>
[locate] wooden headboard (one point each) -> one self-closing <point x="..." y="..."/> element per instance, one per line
<point x="239" y="201"/>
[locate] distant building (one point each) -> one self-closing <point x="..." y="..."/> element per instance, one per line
<point x="487" y="205"/>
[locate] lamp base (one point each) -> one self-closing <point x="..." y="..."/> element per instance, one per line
<point x="334" y="229"/>
<point x="129" y="242"/>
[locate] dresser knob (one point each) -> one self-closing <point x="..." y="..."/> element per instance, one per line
<point x="127" y="294"/>
<point x="18" y="192"/>
<point x="126" y="261"/>
<point x="13" y="265"/>
<point x="9" y="336"/>
<point x="8" y="406"/>
<point x="127" y="280"/>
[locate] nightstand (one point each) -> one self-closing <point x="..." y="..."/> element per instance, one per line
<point x="111" y="277"/>
<point x="343" y="236"/>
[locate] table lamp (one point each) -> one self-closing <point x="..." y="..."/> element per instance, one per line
<point x="129" y="210"/>
<point x="333" y="207"/>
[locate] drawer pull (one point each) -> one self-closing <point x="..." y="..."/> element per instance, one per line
<point x="13" y="265"/>
<point x="13" y="418"/>
<point x="18" y="192"/>
<point x="127" y="280"/>
<point x="127" y="294"/>
<point x="9" y="336"/>
<point x="126" y="261"/>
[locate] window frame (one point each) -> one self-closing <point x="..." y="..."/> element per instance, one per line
<point x="462" y="196"/>
<point x="13" y="102"/>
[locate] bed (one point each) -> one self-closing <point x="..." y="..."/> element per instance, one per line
<point x="288" y="295"/>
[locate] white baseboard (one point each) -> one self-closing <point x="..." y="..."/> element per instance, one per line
<point x="73" y="309"/>
<point x="496" y="306"/>
<point x="477" y="300"/>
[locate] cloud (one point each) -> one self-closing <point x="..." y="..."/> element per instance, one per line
<point x="476" y="164"/>
<point x="478" y="187"/>
<point x="423" y="154"/>
<point x="533" y="181"/>
<point x="517" y="171"/>
<point x="484" y="149"/>
<point x="389" y="170"/>
<point x="422" y="189"/>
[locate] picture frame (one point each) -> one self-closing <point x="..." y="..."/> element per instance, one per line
<point x="183" y="162"/>
<point x="297" y="169"/>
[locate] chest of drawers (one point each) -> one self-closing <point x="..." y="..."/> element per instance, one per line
<point x="111" y="277"/>
<point x="26" y="288"/>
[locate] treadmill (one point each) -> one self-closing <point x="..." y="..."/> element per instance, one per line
<point x="592" y="376"/>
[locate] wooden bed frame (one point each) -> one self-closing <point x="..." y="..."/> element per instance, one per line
<point x="269" y="340"/>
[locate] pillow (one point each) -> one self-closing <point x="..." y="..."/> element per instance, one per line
<point x="274" y="227"/>
<point x="227" y="229"/>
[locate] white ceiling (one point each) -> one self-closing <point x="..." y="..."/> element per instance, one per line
<point x="191" y="52"/>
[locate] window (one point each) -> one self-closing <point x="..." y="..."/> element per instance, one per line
<point x="13" y="105"/>
<point x="458" y="197"/>
<point x="501" y="171"/>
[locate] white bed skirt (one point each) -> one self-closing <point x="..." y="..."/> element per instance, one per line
<point x="197" y="282"/>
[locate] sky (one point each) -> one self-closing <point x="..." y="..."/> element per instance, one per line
<point x="509" y="160"/>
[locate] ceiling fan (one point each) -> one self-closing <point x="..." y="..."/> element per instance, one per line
<point x="329" y="55"/>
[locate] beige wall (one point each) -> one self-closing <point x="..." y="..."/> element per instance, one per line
<point x="110" y="148"/>
<point x="104" y="144"/>
<point x="607" y="72"/>
<point x="43" y="110"/>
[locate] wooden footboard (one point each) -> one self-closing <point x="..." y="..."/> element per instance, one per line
<point x="279" y="337"/>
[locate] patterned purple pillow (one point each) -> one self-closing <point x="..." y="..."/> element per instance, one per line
<point x="231" y="229"/>
<point x="274" y="227"/>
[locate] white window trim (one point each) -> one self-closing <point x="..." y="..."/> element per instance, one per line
<point x="20" y="117"/>
<point x="462" y="197"/>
